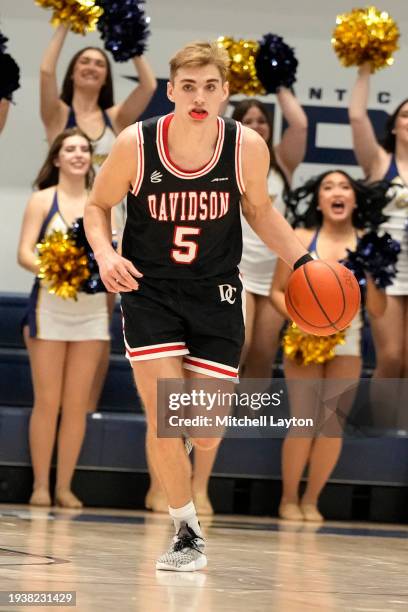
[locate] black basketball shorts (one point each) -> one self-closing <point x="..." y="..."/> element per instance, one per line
<point x="202" y="320"/>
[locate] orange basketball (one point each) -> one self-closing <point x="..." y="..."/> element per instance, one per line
<point x="322" y="297"/>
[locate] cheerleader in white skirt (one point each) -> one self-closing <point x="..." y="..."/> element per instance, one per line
<point x="263" y="322"/>
<point x="387" y="159"/>
<point x="64" y="337"/>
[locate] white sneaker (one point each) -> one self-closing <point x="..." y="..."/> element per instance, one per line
<point x="186" y="554"/>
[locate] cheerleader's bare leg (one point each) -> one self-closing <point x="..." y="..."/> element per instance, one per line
<point x="82" y="361"/>
<point x="47" y="361"/>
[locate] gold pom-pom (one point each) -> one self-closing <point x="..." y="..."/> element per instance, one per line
<point x="365" y="35"/>
<point x="242" y="75"/>
<point x="81" y="16"/>
<point x="63" y="265"/>
<point x="305" y="349"/>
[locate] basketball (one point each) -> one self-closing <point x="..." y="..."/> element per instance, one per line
<point x="322" y="297"/>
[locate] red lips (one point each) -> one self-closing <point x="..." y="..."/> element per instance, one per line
<point x="198" y="114"/>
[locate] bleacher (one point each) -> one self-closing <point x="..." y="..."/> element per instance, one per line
<point x="369" y="482"/>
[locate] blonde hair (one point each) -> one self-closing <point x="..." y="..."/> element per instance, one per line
<point x="200" y="53"/>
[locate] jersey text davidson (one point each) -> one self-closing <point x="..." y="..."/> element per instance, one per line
<point x="189" y="205"/>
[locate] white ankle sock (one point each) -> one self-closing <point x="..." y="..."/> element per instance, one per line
<point x="187" y="514"/>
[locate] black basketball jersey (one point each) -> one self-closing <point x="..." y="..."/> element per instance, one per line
<point x="185" y="224"/>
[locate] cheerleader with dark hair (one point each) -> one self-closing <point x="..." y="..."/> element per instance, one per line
<point x="333" y="211"/>
<point x="263" y="322"/>
<point x="387" y="159"/>
<point x="86" y="99"/>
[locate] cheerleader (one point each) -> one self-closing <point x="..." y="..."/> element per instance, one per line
<point x="86" y="99"/>
<point x="263" y="323"/>
<point x="387" y="159"/>
<point x="64" y="338"/>
<point x="336" y="209"/>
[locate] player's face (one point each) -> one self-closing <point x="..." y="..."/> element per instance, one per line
<point x="256" y="120"/>
<point x="74" y="157"/>
<point x="401" y="124"/>
<point x="337" y="199"/>
<point x="90" y="69"/>
<point x="197" y="92"/>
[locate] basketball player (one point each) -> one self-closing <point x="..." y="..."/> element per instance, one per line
<point x="185" y="175"/>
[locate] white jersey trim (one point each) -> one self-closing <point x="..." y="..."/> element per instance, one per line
<point x="238" y="159"/>
<point x="140" y="165"/>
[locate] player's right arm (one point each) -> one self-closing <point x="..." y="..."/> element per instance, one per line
<point x="111" y="186"/>
<point x="370" y="155"/>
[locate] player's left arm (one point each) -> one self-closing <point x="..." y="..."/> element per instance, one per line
<point x="278" y="287"/>
<point x="266" y="221"/>
<point x="282" y="274"/>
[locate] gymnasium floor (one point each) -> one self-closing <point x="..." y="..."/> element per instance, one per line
<point x="255" y="564"/>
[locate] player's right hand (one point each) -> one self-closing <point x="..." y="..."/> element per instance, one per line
<point x="117" y="273"/>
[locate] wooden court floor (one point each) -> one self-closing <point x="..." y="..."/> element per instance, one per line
<point x="255" y="564"/>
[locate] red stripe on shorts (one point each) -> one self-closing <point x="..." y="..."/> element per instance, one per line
<point x="163" y="349"/>
<point x="206" y="366"/>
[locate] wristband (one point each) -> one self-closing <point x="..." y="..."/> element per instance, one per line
<point x="302" y="261"/>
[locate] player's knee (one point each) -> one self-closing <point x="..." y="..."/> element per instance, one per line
<point x="164" y="447"/>
<point x="151" y="430"/>
<point x="206" y="443"/>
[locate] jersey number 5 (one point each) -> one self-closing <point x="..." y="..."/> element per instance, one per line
<point x="187" y="251"/>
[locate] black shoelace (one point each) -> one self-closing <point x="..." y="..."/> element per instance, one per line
<point x="186" y="540"/>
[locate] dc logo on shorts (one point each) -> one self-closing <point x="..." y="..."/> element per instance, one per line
<point x="227" y="293"/>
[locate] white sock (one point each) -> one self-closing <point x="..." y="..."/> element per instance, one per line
<point x="187" y="514"/>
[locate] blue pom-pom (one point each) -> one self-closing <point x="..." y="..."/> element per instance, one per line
<point x="9" y="72"/>
<point x="77" y="233"/>
<point x="275" y="63"/>
<point x="124" y="27"/>
<point x="9" y="76"/>
<point x="93" y="283"/>
<point x="3" y="41"/>
<point x="377" y="256"/>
